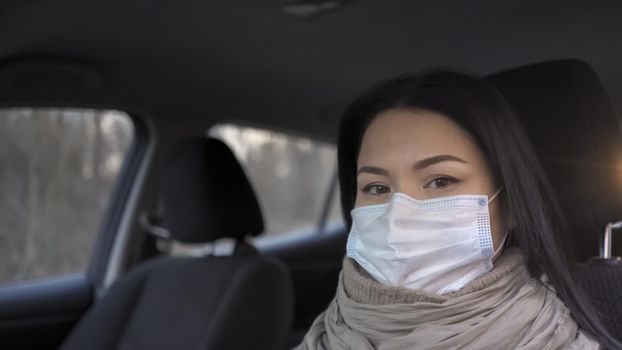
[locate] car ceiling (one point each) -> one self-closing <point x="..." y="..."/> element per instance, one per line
<point x="195" y="62"/>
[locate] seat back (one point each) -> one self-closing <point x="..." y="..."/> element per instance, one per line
<point x="566" y="113"/>
<point x="569" y="120"/>
<point x="242" y="301"/>
<point x="603" y="283"/>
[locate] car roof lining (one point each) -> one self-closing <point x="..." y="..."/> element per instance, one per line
<point x="207" y="62"/>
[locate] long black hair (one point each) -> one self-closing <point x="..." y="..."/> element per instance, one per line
<point x="527" y="200"/>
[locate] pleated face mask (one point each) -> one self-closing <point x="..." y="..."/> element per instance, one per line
<point x="437" y="245"/>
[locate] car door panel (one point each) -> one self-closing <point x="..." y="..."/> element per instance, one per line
<point x="38" y="315"/>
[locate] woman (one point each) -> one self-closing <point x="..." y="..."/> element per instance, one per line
<point x="454" y="233"/>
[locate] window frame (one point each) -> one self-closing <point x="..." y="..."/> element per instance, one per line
<point x="122" y="207"/>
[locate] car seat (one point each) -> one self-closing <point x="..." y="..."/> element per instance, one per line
<point x="569" y="120"/>
<point x="241" y="301"/>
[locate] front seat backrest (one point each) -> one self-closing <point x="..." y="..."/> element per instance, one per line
<point x="571" y="124"/>
<point x="243" y="301"/>
<point x="569" y="119"/>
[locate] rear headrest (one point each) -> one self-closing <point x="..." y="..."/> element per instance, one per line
<point x="207" y="196"/>
<point x="571" y="124"/>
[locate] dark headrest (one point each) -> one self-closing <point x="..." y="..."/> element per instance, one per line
<point x="207" y="195"/>
<point x="571" y="124"/>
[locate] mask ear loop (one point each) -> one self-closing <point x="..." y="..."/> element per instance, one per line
<point x="495" y="195"/>
<point x="500" y="247"/>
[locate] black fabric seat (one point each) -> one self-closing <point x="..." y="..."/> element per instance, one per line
<point x="569" y="119"/>
<point x="570" y="122"/>
<point x="603" y="283"/>
<point x="242" y="301"/>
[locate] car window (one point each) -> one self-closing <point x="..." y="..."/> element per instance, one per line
<point x="58" y="170"/>
<point x="293" y="176"/>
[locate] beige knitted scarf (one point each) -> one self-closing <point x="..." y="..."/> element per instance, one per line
<point x="504" y="309"/>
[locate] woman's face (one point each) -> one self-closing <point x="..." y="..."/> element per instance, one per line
<point x="424" y="155"/>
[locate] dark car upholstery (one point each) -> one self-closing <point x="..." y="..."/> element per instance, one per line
<point x="568" y="117"/>
<point x="566" y="113"/>
<point x="242" y="301"/>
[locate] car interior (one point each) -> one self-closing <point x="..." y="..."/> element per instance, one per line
<point x="180" y="68"/>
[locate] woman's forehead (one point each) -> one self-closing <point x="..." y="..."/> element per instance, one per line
<point x="409" y="135"/>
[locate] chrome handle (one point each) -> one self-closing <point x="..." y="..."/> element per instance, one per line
<point x="605" y="249"/>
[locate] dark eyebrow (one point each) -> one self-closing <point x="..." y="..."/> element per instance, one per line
<point x="424" y="163"/>
<point x="373" y="170"/>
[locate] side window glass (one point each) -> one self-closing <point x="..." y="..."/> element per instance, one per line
<point x="291" y="175"/>
<point x="58" y="167"/>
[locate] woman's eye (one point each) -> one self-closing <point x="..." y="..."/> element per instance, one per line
<point x="440" y="182"/>
<point x="376" y="189"/>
